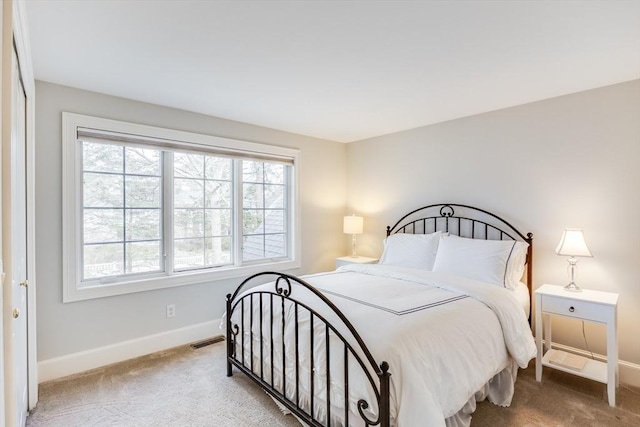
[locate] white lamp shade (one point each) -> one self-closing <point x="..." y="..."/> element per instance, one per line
<point x="572" y="244"/>
<point x="353" y="224"/>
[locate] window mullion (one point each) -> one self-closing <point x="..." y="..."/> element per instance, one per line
<point x="124" y="211"/>
<point x="264" y="213"/>
<point x="238" y="225"/>
<point x="204" y="210"/>
<point x="167" y="212"/>
<point x="289" y="213"/>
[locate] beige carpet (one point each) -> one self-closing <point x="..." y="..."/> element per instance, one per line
<point x="186" y="387"/>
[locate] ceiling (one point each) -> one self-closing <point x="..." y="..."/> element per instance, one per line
<point x="337" y="70"/>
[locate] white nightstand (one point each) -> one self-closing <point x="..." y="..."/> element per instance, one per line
<point x="346" y="260"/>
<point x="592" y="306"/>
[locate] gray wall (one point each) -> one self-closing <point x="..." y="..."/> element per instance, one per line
<point x="571" y="161"/>
<point x="73" y="327"/>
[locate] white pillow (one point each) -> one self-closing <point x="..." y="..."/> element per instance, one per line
<point x="515" y="266"/>
<point x="411" y="250"/>
<point x="500" y="262"/>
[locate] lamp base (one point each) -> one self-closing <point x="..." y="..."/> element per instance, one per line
<point x="354" y="254"/>
<point x="572" y="287"/>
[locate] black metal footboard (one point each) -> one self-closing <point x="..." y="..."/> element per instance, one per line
<point x="305" y="353"/>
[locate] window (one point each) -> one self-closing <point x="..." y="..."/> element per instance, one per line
<point x="121" y="210"/>
<point x="202" y="211"/>
<point x="263" y="210"/>
<point x="147" y="208"/>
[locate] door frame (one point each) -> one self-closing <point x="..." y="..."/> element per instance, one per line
<point x="23" y="49"/>
<point x="15" y="35"/>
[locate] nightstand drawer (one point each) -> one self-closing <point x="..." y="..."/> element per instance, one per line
<point x="573" y="308"/>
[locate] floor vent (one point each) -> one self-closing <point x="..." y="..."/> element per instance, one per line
<point x="200" y="344"/>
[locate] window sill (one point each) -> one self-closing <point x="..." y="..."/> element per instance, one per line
<point x="77" y="293"/>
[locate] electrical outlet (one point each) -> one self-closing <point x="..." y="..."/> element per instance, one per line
<point x="171" y="310"/>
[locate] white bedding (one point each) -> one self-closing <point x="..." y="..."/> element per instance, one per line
<point x="521" y="293"/>
<point x="443" y="336"/>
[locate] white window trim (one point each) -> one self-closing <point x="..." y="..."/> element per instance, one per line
<point x="71" y="196"/>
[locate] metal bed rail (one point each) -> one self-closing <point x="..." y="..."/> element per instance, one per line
<point x="262" y="336"/>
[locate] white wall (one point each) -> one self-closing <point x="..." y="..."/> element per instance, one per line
<point x="571" y="161"/>
<point x="64" y="329"/>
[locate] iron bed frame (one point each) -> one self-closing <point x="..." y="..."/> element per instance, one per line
<point x="486" y="226"/>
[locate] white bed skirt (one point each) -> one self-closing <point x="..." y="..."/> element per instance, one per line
<point x="499" y="391"/>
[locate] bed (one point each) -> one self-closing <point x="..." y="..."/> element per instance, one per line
<point x="440" y="323"/>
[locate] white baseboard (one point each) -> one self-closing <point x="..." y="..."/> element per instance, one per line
<point x="629" y="373"/>
<point x="90" y="359"/>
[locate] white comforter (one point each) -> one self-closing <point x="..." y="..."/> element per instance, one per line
<point x="443" y="336"/>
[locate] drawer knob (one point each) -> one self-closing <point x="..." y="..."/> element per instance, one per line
<point x="571" y="309"/>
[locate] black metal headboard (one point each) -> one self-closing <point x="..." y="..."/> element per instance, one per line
<point x="470" y="222"/>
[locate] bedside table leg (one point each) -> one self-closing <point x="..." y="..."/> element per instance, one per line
<point x="612" y="360"/>
<point x="547" y="332"/>
<point x="538" y="341"/>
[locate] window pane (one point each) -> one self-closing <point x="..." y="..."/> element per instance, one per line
<point x="188" y="165"/>
<point x="103" y="260"/>
<point x="218" y="168"/>
<point x="188" y="223"/>
<point x="264" y="205"/>
<point x="275" y="245"/>
<point x="218" y="194"/>
<point x="102" y="190"/>
<point x="143" y="192"/>
<point x="143" y="257"/>
<point x="253" y="221"/>
<point x="252" y="195"/>
<point x="252" y="171"/>
<point x="189" y="253"/>
<point x="217" y="222"/>
<point x="209" y="187"/>
<point x="103" y="225"/>
<point x="273" y="221"/>
<point x="218" y="251"/>
<point x="143" y="224"/>
<point x="274" y="173"/>
<point x="274" y="196"/>
<point x="102" y="157"/>
<point x="188" y="193"/>
<point x="121" y="190"/>
<point x="253" y="247"/>
<point x="142" y="161"/>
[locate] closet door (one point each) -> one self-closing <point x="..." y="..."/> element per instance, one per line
<point x="14" y="251"/>
<point x="17" y="217"/>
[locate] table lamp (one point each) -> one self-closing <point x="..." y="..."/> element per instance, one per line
<point x="572" y="244"/>
<point x="353" y="225"/>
